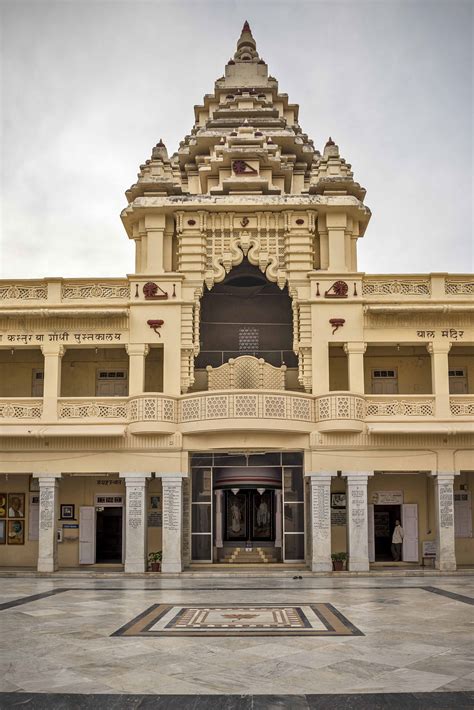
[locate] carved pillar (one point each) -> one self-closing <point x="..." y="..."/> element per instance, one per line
<point x="357" y="521"/>
<point x="355" y="362"/>
<point x="135" y="521"/>
<point x="336" y="226"/>
<point x="440" y="375"/>
<point x="444" y="515"/>
<point x="137" y="353"/>
<point x="321" y="522"/>
<point x="48" y="516"/>
<point x="172" y="523"/>
<point x="155" y="228"/>
<point x="52" y="353"/>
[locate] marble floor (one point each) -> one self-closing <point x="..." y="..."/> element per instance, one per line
<point x="417" y="636"/>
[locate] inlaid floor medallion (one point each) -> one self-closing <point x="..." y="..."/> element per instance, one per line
<point x="240" y="619"/>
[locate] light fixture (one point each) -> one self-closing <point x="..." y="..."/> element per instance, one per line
<point x="235" y="490"/>
<point x="398" y="347"/>
<point x="261" y="491"/>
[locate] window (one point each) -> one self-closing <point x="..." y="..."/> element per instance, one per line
<point x="111" y="383"/>
<point x="457" y="381"/>
<point x="37" y="384"/>
<point x="384" y="381"/>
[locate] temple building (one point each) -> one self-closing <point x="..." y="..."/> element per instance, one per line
<point x="247" y="395"/>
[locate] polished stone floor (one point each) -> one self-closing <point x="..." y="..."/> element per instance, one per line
<point x="417" y="636"/>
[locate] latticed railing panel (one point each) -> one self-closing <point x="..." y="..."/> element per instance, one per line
<point x="462" y="406"/>
<point x="459" y="288"/>
<point x="400" y="408"/>
<point x="153" y="409"/>
<point x="396" y="287"/>
<point x="23" y="293"/>
<point x="340" y="406"/>
<point x="15" y="409"/>
<point x="84" y="291"/>
<point x="93" y="409"/>
<point x="246" y="373"/>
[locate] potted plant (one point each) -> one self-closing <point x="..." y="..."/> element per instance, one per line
<point x="154" y="561"/>
<point x="338" y="559"/>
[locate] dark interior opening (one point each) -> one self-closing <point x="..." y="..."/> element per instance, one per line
<point x="384" y="525"/>
<point x="246" y="315"/>
<point x="109" y="535"/>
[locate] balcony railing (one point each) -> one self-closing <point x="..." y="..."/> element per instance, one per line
<point x="21" y="408"/>
<point x="95" y="408"/>
<point x="462" y="405"/>
<point x="240" y="409"/>
<point x="400" y="405"/>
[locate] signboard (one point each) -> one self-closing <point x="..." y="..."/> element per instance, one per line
<point x="429" y="548"/>
<point x="387" y="498"/>
<point x="70" y="525"/>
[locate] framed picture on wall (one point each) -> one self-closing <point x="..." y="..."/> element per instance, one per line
<point x="67" y="511"/>
<point x="3" y="505"/>
<point x="34" y="485"/>
<point x="16" y="532"/>
<point x="3" y="532"/>
<point x="338" y="500"/>
<point x="154" y="502"/>
<point x="16" y="505"/>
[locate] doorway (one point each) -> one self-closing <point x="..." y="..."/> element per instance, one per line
<point x="249" y="516"/>
<point x="384" y="525"/>
<point x="108" y="541"/>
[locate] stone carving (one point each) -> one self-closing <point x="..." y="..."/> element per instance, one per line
<point x="339" y="289"/>
<point x="461" y="406"/>
<point x="153" y="292"/>
<point x="84" y="291"/>
<point x="258" y="406"/>
<point x="459" y="288"/>
<point x="154" y="325"/>
<point x="336" y="323"/>
<point x="246" y="372"/>
<point x="18" y="292"/>
<point x="401" y="408"/>
<point x="396" y="287"/>
<point x="339" y="406"/>
<point x="14" y="409"/>
<point x="94" y="409"/>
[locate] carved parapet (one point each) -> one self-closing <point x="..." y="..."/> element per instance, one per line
<point x="246" y="372"/>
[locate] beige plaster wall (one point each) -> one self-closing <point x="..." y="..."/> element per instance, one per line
<point x="154" y="370"/>
<point x="16" y="371"/>
<point x="79" y="368"/>
<point x="414" y="371"/>
<point x="338" y="371"/>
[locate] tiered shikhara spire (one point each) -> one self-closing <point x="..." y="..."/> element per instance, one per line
<point x="246" y="140"/>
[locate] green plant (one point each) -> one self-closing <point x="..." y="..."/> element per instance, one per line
<point x="154" y="557"/>
<point x="339" y="556"/>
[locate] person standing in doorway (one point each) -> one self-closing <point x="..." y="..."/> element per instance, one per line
<point x="397" y="540"/>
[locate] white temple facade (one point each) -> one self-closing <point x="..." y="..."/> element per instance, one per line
<point x="247" y="395"/>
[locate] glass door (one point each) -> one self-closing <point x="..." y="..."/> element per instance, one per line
<point x="201" y="515"/>
<point x="293" y="514"/>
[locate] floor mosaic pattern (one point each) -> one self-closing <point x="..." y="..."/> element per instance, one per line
<point x="238" y="620"/>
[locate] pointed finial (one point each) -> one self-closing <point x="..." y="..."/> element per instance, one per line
<point x="330" y="141"/>
<point x="246" y="27"/>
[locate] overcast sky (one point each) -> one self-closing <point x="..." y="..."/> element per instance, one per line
<point x="88" y="87"/>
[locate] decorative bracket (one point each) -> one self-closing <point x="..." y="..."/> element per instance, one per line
<point x="155" y="324"/>
<point x="336" y="323"/>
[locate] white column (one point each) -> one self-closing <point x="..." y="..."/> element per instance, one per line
<point x="320" y="522"/>
<point x="278" y="518"/>
<point x="355" y="362"/>
<point x="48" y="516"/>
<point x="357" y="521"/>
<point x="135" y="521"/>
<point x="219" y="493"/>
<point x="172" y="523"/>
<point x="439" y="352"/>
<point x="52" y="353"/>
<point x="444" y="516"/>
<point x="137" y="353"/>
